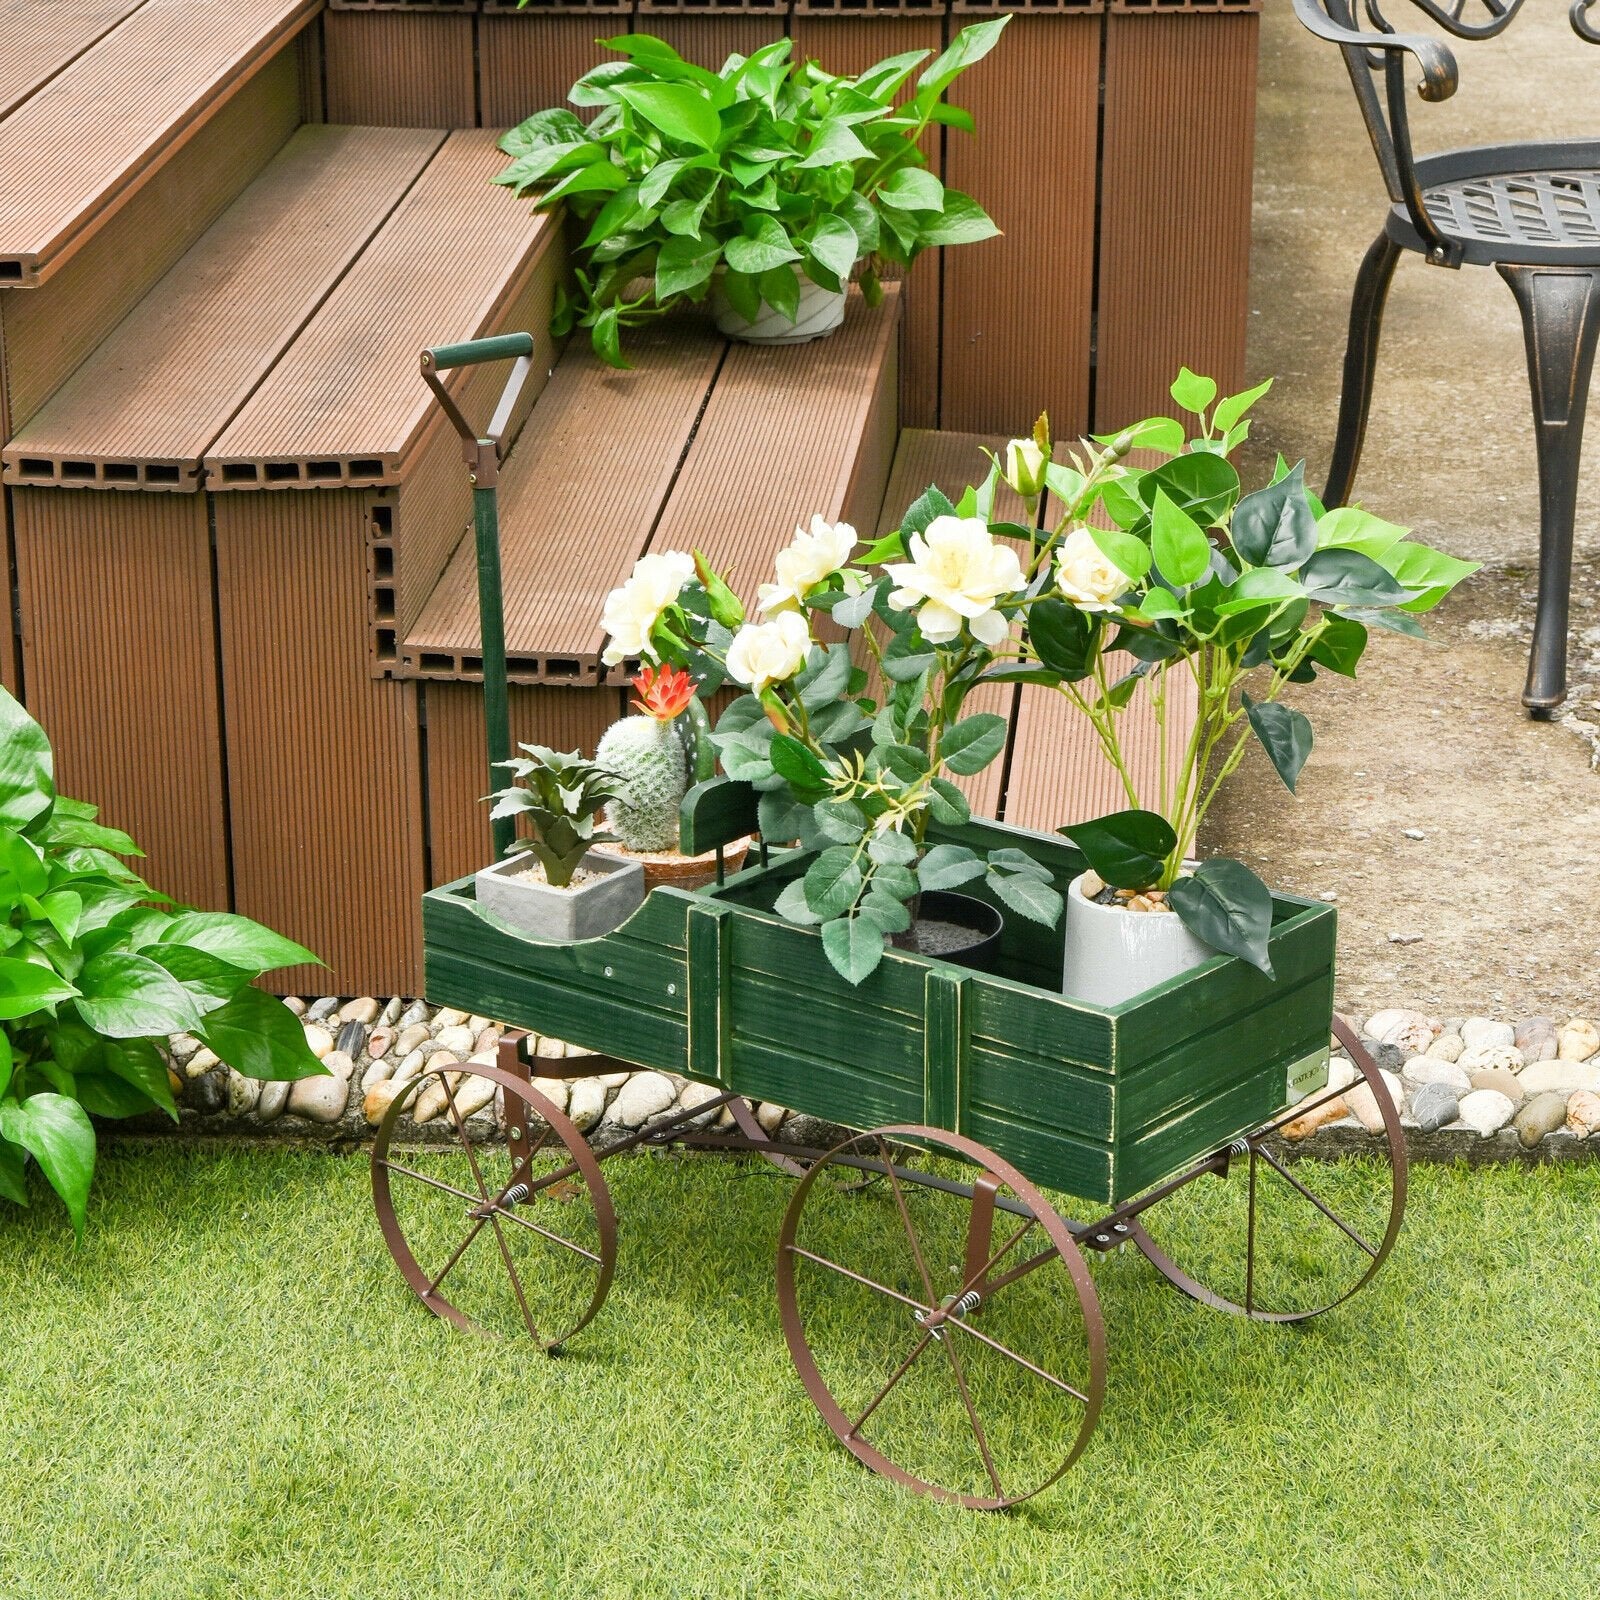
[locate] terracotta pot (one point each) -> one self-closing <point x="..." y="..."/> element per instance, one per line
<point x="1113" y="954"/>
<point x="667" y="868"/>
<point x="819" y="313"/>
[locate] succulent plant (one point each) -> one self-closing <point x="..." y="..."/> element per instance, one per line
<point x="561" y="796"/>
<point x="648" y="756"/>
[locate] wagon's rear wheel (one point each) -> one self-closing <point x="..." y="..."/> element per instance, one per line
<point x="1278" y="1240"/>
<point x="942" y="1321"/>
<point x="516" y="1237"/>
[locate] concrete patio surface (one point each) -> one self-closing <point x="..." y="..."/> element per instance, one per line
<point x="1493" y="909"/>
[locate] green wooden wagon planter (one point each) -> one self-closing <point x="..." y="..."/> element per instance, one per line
<point x="936" y="1301"/>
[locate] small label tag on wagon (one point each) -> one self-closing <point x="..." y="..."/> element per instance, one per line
<point x="1307" y="1075"/>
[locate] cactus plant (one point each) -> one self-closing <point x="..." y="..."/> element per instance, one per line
<point x="648" y="757"/>
<point x="561" y="796"/>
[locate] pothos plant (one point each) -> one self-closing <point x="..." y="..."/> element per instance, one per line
<point x="763" y="171"/>
<point x="1237" y="596"/>
<point x="96" y="968"/>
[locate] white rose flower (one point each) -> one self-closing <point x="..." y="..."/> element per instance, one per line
<point x="956" y="574"/>
<point x="631" y="611"/>
<point x="809" y="559"/>
<point x="764" y="653"/>
<point x="1086" y="576"/>
<point x="1025" y="464"/>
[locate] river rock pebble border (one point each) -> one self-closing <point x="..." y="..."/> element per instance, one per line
<point x="1472" y="1087"/>
<point x="373" y="1048"/>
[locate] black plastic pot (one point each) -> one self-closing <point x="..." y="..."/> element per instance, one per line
<point x="963" y="911"/>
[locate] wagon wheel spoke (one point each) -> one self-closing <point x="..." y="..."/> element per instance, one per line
<point x="893" y="1378"/>
<point x="972" y="1414"/>
<point x="906" y="1222"/>
<point x="975" y="1425"/>
<point x="1254" y="1237"/>
<point x="547" y="1206"/>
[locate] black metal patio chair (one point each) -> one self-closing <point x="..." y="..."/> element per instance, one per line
<point x="1532" y="211"/>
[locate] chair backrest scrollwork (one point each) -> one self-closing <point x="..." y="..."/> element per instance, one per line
<point x="1373" y="48"/>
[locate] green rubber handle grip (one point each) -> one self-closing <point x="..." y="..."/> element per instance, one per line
<point x="502" y="347"/>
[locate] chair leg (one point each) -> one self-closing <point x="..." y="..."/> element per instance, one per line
<point x="1560" y="321"/>
<point x="1360" y="363"/>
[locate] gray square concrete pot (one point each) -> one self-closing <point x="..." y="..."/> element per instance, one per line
<point x="561" y="915"/>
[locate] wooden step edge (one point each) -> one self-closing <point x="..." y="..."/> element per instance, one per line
<point x="28" y="269"/>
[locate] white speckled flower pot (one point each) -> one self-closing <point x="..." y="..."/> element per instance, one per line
<point x="819" y="313"/>
<point x="1112" y="954"/>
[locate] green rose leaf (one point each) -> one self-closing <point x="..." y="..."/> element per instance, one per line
<point x="791" y="905"/>
<point x="57" y="1133"/>
<point x="237" y="940"/>
<point x="840" y="820"/>
<point x="1128" y="849"/>
<point x="892" y="848"/>
<point x="1274" y="526"/>
<point x="948" y="804"/>
<point x="947" y="866"/>
<point x="890" y="915"/>
<point x="259" y="1037"/>
<point x="969" y="745"/>
<point x="1225" y="905"/>
<point x="1027" y="896"/>
<point x="854" y="947"/>
<point x="832" y="882"/>
<point x="798" y="767"/>
<point x="1285" y="735"/>
<point x="1182" y="551"/>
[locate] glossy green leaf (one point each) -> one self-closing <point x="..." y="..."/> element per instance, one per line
<point x="26" y="987"/>
<point x="1182" y="551"/>
<point x="1351" y="528"/>
<point x="1348" y="578"/>
<point x="1225" y="905"/>
<point x="681" y="111"/>
<point x="798" y="767"/>
<point x="1285" y="735"/>
<point x="963" y="221"/>
<point x="237" y="940"/>
<point x="1193" y="392"/>
<point x="27" y="768"/>
<point x="13" y="1163"/>
<point x="1129" y="849"/>
<point x="57" y="1133"/>
<point x="763" y="246"/>
<point x="260" y="1037"/>
<point x="1063" y="638"/>
<point x="683" y="265"/>
<point x="912" y="189"/>
<point x="1430" y="574"/>
<point x="1130" y="556"/>
<point x="969" y="46"/>
<point x="128" y="996"/>
<point x="1340" y="644"/>
<point x="1274" y="526"/>
<point x="834" y="244"/>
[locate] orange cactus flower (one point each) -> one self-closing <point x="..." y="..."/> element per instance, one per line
<point x="663" y="692"/>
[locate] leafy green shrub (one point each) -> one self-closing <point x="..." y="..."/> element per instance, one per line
<point x="768" y="168"/>
<point x="96" y="968"/>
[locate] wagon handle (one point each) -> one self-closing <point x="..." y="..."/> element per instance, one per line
<point x="481" y="452"/>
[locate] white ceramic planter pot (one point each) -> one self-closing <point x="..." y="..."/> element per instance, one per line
<point x="1112" y="954"/>
<point x="598" y="907"/>
<point x="819" y="313"/>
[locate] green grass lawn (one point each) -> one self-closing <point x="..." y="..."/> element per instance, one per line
<point x="227" y="1392"/>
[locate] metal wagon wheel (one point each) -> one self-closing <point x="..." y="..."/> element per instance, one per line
<point x="943" y="1321"/>
<point x="517" y="1238"/>
<point x="1303" y="1236"/>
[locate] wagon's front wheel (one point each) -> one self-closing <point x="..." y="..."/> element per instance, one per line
<point x="514" y="1237"/>
<point x="1278" y="1240"/>
<point x="943" y="1321"/>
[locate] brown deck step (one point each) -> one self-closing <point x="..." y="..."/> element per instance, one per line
<point x="705" y="445"/>
<point x="345" y="405"/>
<point x="43" y="36"/>
<point x="142" y="410"/>
<point x="99" y="128"/>
<point x="1054" y="772"/>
